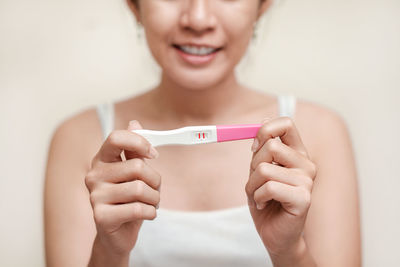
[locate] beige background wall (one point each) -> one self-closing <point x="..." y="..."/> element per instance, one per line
<point x="59" y="57"/>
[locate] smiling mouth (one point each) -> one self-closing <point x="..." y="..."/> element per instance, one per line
<point x="197" y="50"/>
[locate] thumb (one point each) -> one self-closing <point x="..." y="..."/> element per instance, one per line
<point x="133" y="125"/>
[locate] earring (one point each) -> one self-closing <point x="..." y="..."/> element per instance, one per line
<point x="255" y="30"/>
<point x="139" y="30"/>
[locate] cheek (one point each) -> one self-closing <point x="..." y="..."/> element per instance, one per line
<point x="159" y="21"/>
<point x="238" y="29"/>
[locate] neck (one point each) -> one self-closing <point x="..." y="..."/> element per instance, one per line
<point x="198" y="106"/>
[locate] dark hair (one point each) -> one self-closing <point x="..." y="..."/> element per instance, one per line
<point x="136" y="2"/>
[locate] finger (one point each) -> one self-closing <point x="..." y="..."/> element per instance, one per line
<point x="134" y="191"/>
<point x="270" y="172"/>
<point x="135" y="125"/>
<point x="295" y="200"/>
<point x="119" y="172"/>
<point x="276" y="151"/>
<point x="120" y="140"/>
<point x="111" y="217"/>
<point x="285" y="129"/>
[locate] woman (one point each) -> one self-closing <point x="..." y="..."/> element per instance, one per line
<point x="222" y="204"/>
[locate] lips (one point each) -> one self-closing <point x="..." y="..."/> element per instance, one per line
<point x="197" y="50"/>
<point x="196" y="54"/>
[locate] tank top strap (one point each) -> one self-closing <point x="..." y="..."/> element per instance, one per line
<point x="287" y="105"/>
<point x="105" y="112"/>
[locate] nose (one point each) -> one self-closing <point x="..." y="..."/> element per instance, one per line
<point x="198" y="16"/>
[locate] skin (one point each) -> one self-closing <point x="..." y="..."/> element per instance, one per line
<point x="97" y="193"/>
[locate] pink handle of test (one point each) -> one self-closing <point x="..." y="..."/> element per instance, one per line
<point x="237" y="132"/>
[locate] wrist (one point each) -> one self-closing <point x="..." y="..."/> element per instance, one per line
<point x="101" y="256"/>
<point x="297" y="255"/>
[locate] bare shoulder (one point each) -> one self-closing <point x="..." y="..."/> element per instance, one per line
<point x="78" y="136"/>
<point x="318" y="114"/>
<point x="318" y="125"/>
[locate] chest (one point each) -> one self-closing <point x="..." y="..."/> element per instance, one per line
<point x="203" y="177"/>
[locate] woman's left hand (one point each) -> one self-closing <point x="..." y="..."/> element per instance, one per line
<point x="280" y="184"/>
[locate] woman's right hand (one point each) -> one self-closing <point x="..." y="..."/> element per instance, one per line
<point x="122" y="193"/>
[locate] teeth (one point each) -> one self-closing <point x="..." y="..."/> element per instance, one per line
<point x="198" y="51"/>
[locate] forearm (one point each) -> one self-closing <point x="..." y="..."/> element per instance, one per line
<point x="298" y="256"/>
<point x="102" y="257"/>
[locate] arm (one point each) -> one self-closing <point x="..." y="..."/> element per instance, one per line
<point x="332" y="228"/>
<point x="297" y="192"/>
<point x="68" y="220"/>
<point x="94" y="206"/>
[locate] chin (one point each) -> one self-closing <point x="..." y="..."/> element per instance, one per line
<point x="198" y="79"/>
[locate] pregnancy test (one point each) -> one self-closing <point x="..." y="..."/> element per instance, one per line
<point x="193" y="135"/>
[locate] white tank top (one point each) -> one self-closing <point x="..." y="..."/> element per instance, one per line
<point x="225" y="237"/>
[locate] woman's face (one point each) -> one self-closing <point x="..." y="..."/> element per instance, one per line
<point x="197" y="43"/>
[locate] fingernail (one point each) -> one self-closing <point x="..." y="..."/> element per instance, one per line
<point x="153" y="153"/>
<point x="266" y="119"/>
<point x="133" y="122"/>
<point x="260" y="206"/>
<point x="255" y="145"/>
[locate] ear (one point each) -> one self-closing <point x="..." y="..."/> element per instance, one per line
<point x="134" y="8"/>
<point x="264" y="6"/>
